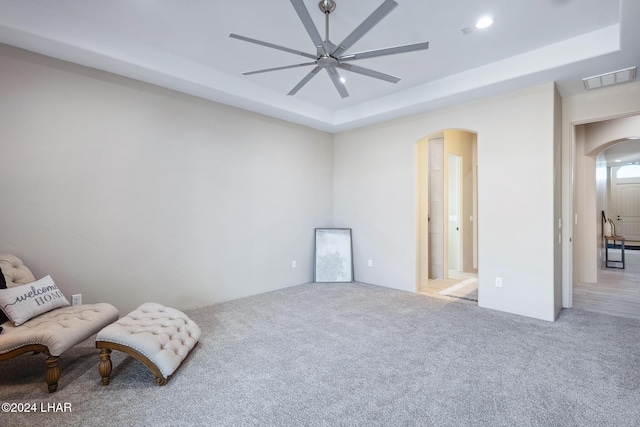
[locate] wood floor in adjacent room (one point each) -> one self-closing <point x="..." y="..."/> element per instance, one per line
<point x="438" y="287"/>
<point x="617" y="292"/>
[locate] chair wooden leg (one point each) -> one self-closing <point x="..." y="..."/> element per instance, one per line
<point x="105" y="365"/>
<point x="52" y="375"/>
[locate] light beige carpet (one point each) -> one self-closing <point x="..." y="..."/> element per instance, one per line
<point x="355" y="355"/>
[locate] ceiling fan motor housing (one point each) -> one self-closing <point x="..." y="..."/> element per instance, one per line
<point x="327" y="61"/>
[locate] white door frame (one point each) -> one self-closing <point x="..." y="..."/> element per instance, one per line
<point x="568" y="213"/>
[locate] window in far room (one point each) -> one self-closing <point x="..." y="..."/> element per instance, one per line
<point x="628" y="171"/>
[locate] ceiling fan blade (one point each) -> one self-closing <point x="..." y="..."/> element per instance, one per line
<point x="335" y="78"/>
<point x="273" y="46"/>
<point x="304" y="16"/>
<point x="266" y="70"/>
<point x="304" y="81"/>
<point x="382" y="11"/>
<point x="368" y="72"/>
<point x="386" y="51"/>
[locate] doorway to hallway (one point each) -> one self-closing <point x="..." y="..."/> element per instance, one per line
<point x="606" y="154"/>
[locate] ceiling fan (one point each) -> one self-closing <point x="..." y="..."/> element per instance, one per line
<point x="331" y="57"/>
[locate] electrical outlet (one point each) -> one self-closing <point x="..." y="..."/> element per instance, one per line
<point x="370" y="263"/>
<point x="76" y="299"/>
<point x="498" y="282"/>
<point x="294" y="264"/>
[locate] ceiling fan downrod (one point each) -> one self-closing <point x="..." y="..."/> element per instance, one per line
<point x="326" y="6"/>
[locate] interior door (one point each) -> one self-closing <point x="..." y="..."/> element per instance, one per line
<point x="454" y="210"/>
<point x="625" y="198"/>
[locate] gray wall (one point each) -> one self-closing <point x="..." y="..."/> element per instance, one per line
<point x="126" y="192"/>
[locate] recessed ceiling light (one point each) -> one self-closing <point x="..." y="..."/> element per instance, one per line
<point x="617" y="161"/>
<point x="634" y="137"/>
<point x="343" y="80"/>
<point x="484" y="22"/>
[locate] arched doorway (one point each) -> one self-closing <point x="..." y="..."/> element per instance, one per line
<point x="600" y="149"/>
<point x="447" y="217"/>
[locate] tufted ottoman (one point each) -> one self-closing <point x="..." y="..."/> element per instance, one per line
<point x="158" y="336"/>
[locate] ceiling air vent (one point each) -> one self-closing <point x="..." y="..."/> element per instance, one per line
<point x="608" y="79"/>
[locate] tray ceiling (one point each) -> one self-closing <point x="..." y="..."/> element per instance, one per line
<point x="185" y="46"/>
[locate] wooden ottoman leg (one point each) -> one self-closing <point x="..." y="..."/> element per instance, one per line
<point x="52" y="376"/>
<point x="105" y="365"/>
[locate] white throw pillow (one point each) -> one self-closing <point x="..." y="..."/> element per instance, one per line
<point x="21" y="303"/>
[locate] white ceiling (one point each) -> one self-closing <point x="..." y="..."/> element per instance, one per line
<point x="184" y="45"/>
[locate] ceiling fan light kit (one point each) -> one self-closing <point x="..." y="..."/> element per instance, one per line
<point x="331" y="57"/>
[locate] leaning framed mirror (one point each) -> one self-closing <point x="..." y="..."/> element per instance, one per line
<point x="333" y="255"/>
